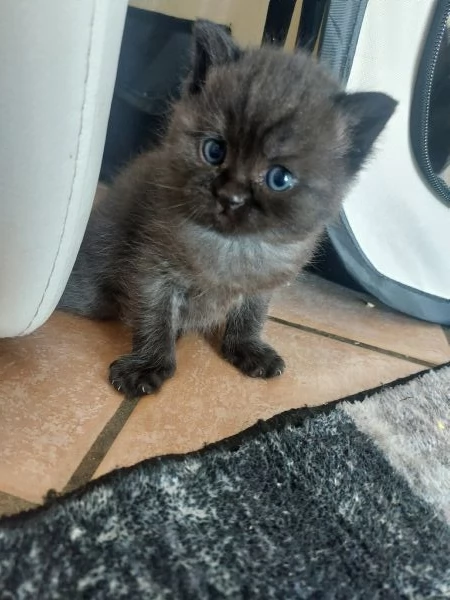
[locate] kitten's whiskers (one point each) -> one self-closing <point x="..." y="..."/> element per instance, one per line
<point x="164" y="186"/>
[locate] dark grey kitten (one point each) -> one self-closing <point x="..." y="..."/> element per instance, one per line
<point x="259" y="152"/>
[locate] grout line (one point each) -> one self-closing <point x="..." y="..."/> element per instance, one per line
<point x="363" y="345"/>
<point x="99" y="449"/>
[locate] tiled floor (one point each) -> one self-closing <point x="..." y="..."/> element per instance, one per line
<point x="61" y="424"/>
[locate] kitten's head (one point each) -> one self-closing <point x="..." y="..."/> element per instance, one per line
<point x="266" y="142"/>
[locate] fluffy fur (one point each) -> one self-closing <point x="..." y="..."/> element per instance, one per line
<point x="181" y="244"/>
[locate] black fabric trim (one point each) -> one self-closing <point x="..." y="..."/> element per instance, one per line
<point x="278" y="21"/>
<point x="399" y="296"/>
<point x="420" y="105"/>
<point x="340" y="34"/>
<point x="312" y="17"/>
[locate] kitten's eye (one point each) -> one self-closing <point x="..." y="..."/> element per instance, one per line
<point x="214" y="151"/>
<point x="279" y="179"/>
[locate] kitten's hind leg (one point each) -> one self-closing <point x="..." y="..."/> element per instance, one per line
<point x="242" y="345"/>
<point x="88" y="298"/>
<point x="152" y="359"/>
<point x="90" y="291"/>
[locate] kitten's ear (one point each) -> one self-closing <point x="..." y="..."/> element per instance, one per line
<point x="367" y="114"/>
<point x="213" y="45"/>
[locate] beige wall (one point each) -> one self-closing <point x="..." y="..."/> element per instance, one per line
<point x="246" y="17"/>
<point x="293" y="29"/>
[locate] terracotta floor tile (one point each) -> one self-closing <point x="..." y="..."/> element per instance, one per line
<point x="54" y="401"/>
<point x="209" y="400"/>
<point x="10" y="505"/>
<point x="317" y="303"/>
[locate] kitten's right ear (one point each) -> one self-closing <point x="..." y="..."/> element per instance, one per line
<point x="213" y="45"/>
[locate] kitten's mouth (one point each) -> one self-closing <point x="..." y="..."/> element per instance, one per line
<point x="227" y="219"/>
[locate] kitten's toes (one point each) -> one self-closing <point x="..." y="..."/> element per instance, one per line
<point x="134" y="376"/>
<point x="254" y="358"/>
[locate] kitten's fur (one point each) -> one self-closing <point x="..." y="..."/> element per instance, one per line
<point x="162" y="254"/>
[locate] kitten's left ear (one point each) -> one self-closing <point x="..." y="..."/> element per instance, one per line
<point x="367" y="114"/>
<point x="213" y="45"/>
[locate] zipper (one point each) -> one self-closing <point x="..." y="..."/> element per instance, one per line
<point x="429" y="62"/>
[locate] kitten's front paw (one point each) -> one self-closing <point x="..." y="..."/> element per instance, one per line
<point x="254" y="358"/>
<point x="134" y="376"/>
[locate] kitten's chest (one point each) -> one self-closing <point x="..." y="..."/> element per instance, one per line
<point x="221" y="272"/>
<point x="247" y="266"/>
<point x="203" y="310"/>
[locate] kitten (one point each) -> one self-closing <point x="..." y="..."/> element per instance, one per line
<point x="259" y="152"/>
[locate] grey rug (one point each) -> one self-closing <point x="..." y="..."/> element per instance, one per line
<point x="349" y="501"/>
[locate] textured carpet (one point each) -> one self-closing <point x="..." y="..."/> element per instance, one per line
<point x="350" y="501"/>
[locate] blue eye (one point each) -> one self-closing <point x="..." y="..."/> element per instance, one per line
<point x="279" y="179"/>
<point x="214" y="151"/>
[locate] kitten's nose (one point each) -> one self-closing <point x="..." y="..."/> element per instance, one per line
<point x="232" y="197"/>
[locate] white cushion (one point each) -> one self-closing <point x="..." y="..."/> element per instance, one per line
<point x="58" y="61"/>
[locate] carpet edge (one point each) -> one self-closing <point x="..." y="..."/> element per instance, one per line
<point x="294" y="417"/>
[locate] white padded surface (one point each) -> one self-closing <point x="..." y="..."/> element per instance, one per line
<point x="58" y="62"/>
<point x="400" y="225"/>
